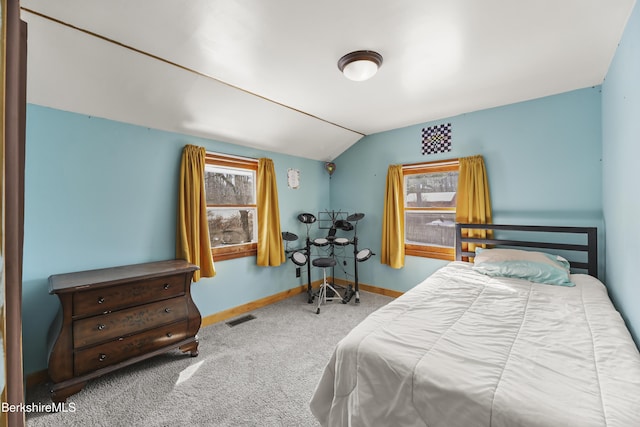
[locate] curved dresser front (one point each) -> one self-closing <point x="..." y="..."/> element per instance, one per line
<point x="114" y="317"/>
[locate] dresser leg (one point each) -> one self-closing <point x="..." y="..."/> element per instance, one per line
<point x="61" y="395"/>
<point x="192" y="348"/>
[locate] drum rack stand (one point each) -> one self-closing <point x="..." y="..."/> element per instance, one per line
<point x="302" y="256"/>
<point x="350" y="290"/>
<point x="311" y="295"/>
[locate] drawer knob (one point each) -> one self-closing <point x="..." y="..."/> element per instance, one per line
<point x="102" y="357"/>
<point x="101" y="326"/>
<point x="167" y="286"/>
<point x="169" y="334"/>
<point x="100" y="300"/>
<point x="167" y="310"/>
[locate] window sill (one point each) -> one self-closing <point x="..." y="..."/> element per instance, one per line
<point x="435" y="252"/>
<point x="236" y="251"/>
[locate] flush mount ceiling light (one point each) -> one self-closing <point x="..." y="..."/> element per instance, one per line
<point x="360" y="65"/>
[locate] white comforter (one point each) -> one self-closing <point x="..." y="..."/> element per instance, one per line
<point x="463" y="349"/>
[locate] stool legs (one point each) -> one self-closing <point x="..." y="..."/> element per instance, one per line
<point x="322" y="292"/>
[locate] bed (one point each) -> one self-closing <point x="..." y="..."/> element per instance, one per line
<point x="465" y="348"/>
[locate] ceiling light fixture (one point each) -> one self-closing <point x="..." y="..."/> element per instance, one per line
<point x="360" y="65"/>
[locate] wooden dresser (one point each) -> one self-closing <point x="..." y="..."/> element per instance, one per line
<point x="113" y="317"/>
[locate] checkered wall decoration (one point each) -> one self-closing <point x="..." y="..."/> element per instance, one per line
<point x="436" y="139"/>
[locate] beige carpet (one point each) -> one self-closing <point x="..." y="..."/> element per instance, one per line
<point x="259" y="373"/>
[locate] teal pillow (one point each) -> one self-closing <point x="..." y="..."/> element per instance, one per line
<point x="536" y="267"/>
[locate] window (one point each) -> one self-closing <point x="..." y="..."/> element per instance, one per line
<point x="230" y="186"/>
<point x="430" y="209"/>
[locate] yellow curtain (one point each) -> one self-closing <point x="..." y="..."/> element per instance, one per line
<point x="473" y="200"/>
<point x="192" y="234"/>
<point x="270" y="246"/>
<point x="392" y="251"/>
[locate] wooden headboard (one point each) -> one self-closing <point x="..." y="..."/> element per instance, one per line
<point x="590" y="248"/>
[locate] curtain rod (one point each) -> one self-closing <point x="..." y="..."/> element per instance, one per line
<point x="249" y="159"/>
<point x="441" y="162"/>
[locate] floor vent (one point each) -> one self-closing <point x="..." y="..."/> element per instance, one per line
<point x="240" y="320"/>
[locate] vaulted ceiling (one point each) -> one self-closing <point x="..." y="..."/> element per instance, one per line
<point x="264" y="74"/>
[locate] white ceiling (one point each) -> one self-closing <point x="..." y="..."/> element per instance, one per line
<point x="264" y="74"/>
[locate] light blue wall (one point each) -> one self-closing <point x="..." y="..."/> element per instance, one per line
<point x="543" y="160"/>
<point x="100" y="193"/>
<point x="621" y="154"/>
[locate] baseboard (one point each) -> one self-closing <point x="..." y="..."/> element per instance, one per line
<point x="41" y="377"/>
<point x="254" y="305"/>
<point x="263" y="302"/>
<point x="369" y="288"/>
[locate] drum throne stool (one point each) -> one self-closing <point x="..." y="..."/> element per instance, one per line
<point x="325" y="263"/>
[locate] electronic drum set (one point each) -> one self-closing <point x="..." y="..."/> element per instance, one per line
<point x="328" y="247"/>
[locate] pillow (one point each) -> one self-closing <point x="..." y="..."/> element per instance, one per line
<point x="536" y="267"/>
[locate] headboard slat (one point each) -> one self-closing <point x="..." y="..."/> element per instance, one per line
<point x="591" y="248"/>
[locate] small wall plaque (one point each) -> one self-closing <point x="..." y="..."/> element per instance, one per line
<point x="293" y="178"/>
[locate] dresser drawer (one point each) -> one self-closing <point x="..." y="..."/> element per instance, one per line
<point x="109" y="326"/>
<point x="112" y="352"/>
<point x="103" y="300"/>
